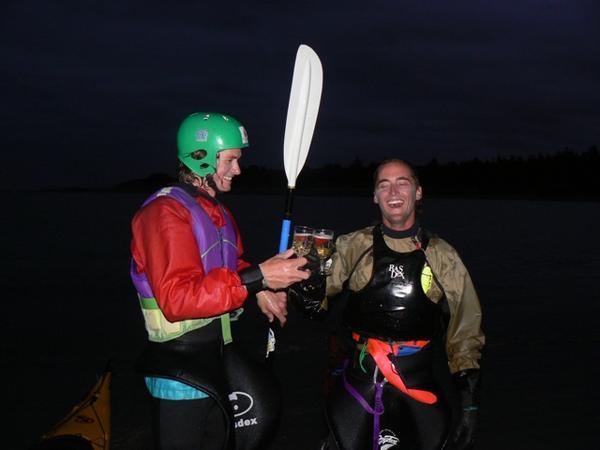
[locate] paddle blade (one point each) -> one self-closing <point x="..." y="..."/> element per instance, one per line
<point x="303" y="108"/>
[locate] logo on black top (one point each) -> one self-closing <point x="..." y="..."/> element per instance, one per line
<point x="387" y="439"/>
<point x="396" y="271"/>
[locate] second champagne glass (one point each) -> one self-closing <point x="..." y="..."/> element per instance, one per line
<point x="323" y="242"/>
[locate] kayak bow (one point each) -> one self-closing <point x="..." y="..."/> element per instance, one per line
<point x="87" y="426"/>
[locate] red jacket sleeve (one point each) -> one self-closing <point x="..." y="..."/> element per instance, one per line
<point x="165" y="249"/>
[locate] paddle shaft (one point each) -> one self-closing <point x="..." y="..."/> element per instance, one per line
<point x="286" y="224"/>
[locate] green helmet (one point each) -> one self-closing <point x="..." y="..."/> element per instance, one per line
<point x="211" y="133"/>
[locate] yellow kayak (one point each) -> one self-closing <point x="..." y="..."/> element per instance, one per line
<point x="87" y="426"/>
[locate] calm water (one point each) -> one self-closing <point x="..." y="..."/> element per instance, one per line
<point x="535" y="265"/>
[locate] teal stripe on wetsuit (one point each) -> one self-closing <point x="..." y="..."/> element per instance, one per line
<point x="167" y="389"/>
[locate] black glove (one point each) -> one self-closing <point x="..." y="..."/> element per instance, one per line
<point x="307" y="296"/>
<point x="467" y="383"/>
<point x="313" y="262"/>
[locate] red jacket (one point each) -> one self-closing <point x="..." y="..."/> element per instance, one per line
<point x="164" y="248"/>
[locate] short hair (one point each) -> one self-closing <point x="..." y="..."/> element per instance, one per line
<point x="413" y="173"/>
<point x="385" y="162"/>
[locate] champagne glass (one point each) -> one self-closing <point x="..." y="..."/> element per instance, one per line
<point x="303" y="240"/>
<point x="323" y="242"/>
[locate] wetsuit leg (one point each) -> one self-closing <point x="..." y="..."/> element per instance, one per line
<point x="350" y="425"/>
<point x="188" y="424"/>
<point x="254" y="398"/>
<point x="432" y="423"/>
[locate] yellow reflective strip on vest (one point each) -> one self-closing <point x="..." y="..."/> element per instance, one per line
<point x="151" y="304"/>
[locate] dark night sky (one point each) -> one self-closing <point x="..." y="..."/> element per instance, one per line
<point x="93" y="91"/>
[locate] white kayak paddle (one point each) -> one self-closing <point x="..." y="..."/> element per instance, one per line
<point x="303" y="108"/>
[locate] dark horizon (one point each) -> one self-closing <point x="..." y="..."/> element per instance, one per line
<point x="565" y="175"/>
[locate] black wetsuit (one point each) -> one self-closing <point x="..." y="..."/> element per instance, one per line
<point x="391" y="308"/>
<point x="243" y="409"/>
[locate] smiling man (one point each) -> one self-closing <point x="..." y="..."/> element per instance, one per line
<point x="397" y="192"/>
<point x="192" y="282"/>
<point x="403" y="288"/>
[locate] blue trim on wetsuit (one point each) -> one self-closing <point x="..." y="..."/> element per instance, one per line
<point x="167" y="389"/>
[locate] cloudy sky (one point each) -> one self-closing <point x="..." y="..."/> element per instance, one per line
<point x="93" y="91"/>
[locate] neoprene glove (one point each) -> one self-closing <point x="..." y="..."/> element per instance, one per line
<point x="307" y="296"/>
<point x="467" y="383"/>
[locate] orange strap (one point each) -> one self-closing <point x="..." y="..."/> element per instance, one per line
<point x="379" y="351"/>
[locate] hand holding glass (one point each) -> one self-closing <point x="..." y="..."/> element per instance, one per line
<point x="323" y="242"/>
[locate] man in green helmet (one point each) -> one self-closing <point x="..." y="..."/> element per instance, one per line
<point x="191" y="280"/>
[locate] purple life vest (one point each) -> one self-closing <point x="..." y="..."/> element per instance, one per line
<point x="217" y="245"/>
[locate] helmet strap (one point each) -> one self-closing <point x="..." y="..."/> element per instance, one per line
<point x="210" y="182"/>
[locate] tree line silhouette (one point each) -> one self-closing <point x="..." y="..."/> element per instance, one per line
<point x="564" y="175"/>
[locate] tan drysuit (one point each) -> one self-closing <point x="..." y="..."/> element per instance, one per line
<point x="465" y="338"/>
